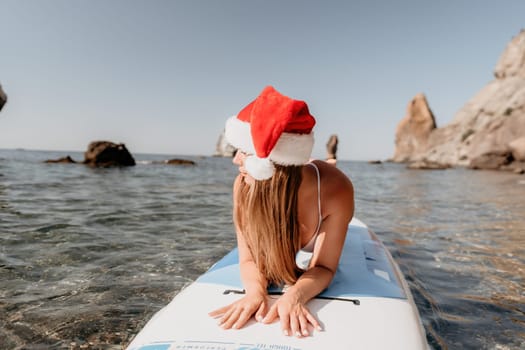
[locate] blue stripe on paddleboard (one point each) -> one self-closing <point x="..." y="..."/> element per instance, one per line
<point x="155" y="347"/>
<point x="364" y="270"/>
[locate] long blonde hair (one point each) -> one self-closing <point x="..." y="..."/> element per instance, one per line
<point x="266" y="214"/>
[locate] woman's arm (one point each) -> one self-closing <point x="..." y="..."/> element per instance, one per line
<point x="254" y="301"/>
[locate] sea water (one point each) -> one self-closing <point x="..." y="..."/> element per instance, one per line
<point x="88" y="255"/>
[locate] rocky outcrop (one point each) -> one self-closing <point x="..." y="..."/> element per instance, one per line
<point x="485" y="133"/>
<point x="223" y="148"/>
<point x="413" y="130"/>
<point x="63" y="160"/>
<point x="331" y="147"/>
<point x="106" y="154"/>
<point x="3" y="98"/>
<point x="517" y="147"/>
<point x="492" y="160"/>
<point x="177" y="161"/>
<point x="428" y="165"/>
<point x="512" y="61"/>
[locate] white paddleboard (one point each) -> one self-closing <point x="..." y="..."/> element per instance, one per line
<point x="367" y="306"/>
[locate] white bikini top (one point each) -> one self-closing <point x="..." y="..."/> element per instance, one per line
<point x="304" y="255"/>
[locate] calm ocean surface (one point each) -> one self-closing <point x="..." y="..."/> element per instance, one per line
<point x="87" y="256"/>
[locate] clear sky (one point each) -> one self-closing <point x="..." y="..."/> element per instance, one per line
<point x="163" y="76"/>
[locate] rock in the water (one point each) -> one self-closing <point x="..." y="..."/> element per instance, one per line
<point x="427" y="165"/>
<point x="223" y="148"/>
<point x="64" y="160"/>
<point x="106" y="154"/>
<point x="3" y="98"/>
<point x="413" y="130"/>
<point x="491" y="160"/>
<point x="180" y="162"/>
<point x="482" y="133"/>
<point x="517" y="147"/>
<point x="331" y="147"/>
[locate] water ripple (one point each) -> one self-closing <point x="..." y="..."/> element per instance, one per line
<point x="88" y="255"/>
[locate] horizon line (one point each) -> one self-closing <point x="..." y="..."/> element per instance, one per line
<point x="168" y="154"/>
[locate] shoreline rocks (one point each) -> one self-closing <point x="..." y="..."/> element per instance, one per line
<point x="428" y="165"/>
<point x="109" y="154"/>
<point x="492" y="160"/>
<point x="517" y="147"/>
<point x="486" y="133"/>
<point x="177" y="161"/>
<point x="63" y="160"/>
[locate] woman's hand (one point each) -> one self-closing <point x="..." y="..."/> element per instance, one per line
<point x="293" y="313"/>
<point x="238" y="313"/>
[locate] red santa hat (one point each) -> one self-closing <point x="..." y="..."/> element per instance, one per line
<point x="272" y="129"/>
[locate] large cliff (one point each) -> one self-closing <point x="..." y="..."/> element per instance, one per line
<point x="488" y="132"/>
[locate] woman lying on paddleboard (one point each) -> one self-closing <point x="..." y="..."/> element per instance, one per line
<point x="291" y="216"/>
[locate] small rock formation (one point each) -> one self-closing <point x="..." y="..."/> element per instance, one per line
<point x="64" y="160"/>
<point x="223" y="148"/>
<point x="3" y="98"/>
<point x="179" y="162"/>
<point x="517" y="147"/>
<point x="427" y="165"/>
<point x="491" y="160"/>
<point x="413" y="130"/>
<point x="106" y="154"/>
<point x="519" y="170"/>
<point x="331" y="147"/>
<point x="486" y="132"/>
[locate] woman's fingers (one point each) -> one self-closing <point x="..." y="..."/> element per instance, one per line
<point x="271" y="315"/>
<point x="230" y="318"/>
<point x="313" y="321"/>
<point x="219" y="312"/>
<point x="244" y="316"/>
<point x="238" y="313"/>
<point x="261" y="312"/>
<point x="303" y="325"/>
<point x="294" y="320"/>
<point x="295" y="326"/>
<point x="226" y="316"/>
<point x="297" y="322"/>
<point x="285" y="324"/>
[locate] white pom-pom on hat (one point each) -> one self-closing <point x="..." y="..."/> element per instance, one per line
<point x="259" y="168"/>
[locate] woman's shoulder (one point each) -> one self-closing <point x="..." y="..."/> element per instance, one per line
<point x="330" y="173"/>
<point x="336" y="186"/>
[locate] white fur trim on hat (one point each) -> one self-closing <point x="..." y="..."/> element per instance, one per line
<point x="259" y="168"/>
<point x="237" y="133"/>
<point x="290" y="149"/>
